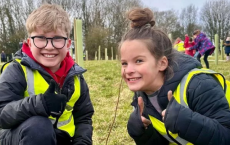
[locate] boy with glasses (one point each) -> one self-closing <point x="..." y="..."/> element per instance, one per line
<point x="44" y="99"/>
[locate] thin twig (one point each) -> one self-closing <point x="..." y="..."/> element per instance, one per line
<point x="118" y="98"/>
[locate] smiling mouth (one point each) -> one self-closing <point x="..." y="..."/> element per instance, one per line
<point x="133" y="79"/>
<point x="49" y="55"/>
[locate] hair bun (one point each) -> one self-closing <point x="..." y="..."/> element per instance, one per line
<point x="140" y="17"/>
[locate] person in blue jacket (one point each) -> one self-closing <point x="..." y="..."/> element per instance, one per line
<point x="171" y="105"/>
<point x="227" y="48"/>
<point x="3" y="57"/>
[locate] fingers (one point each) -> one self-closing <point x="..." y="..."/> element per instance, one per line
<point x="145" y="121"/>
<point x="51" y="88"/>
<point x="169" y="98"/>
<point x="141" y="104"/>
<point x="163" y="114"/>
<point x="170" y="95"/>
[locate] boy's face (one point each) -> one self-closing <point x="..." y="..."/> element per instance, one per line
<point x="49" y="56"/>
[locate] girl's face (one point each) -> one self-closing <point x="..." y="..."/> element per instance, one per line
<point x="194" y="36"/>
<point x="140" y="70"/>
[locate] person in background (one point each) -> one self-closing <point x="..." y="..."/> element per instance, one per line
<point x="3" y="57"/>
<point x="227" y="48"/>
<point x="188" y="42"/>
<point x="203" y="45"/>
<point x="44" y="98"/>
<point x="179" y="45"/>
<point x="154" y="71"/>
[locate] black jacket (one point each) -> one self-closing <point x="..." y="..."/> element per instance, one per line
<point x="205" y="122"/>
<point x="14" y="108"/>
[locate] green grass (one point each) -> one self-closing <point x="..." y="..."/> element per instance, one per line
<point x="103" y="78"/>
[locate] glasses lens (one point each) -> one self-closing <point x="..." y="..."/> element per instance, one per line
<point x="40" y="42"/>
<point x="59" y="42"/>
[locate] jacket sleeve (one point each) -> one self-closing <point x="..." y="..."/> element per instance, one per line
<point x="197" y="44"/>
<point x="186" y="42"/>
<point x="14" y="108"/>
<point x="83" y="112"/>
<point x="138" y="132"/>
<point x="226" y="44"/>
<point x="207" y="120"/>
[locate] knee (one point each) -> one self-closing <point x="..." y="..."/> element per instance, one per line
<point x="36" y="125"/>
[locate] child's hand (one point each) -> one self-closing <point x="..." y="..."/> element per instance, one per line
<point x="169" y="98"/>
<point x="144" y="120"/>
<point x="55" y="103"/>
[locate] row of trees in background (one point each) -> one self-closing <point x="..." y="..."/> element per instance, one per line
<point x="212" y="18"/>
<point x="104" y="21"/>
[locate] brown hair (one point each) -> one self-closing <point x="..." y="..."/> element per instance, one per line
<point x="196" y="32"/>
<point x="49" y="17"/>
<point x="157" y="42"/>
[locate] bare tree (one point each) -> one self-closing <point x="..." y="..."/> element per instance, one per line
<point x="11" y="25"/>
<point x="166" y="20"/>
<point x="108" y="15"/>
<point x="215" y="17"/>
<point x="189" y="19"/>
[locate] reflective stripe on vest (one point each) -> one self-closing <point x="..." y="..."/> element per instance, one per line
<point x="227" y="92"/>
<point x="37" y="85"/>
<point x="160" y="127"/>
<point x="180" y="93"/>
<point x="181" y="97"/>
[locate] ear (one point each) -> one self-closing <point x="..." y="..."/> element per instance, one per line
<point x="68" y="43"/>
<point x="163" y="63"/>
<point x="29" y="42"/>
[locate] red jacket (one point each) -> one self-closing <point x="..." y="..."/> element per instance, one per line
<point x="188" y="44"/>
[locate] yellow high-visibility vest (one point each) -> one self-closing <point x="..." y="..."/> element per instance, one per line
<point x="180" y="96"/>
<point x="179" y="46"/>
<point x="36" y="84"/>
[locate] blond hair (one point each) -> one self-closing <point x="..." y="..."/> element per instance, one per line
<point x="49" y="17"/>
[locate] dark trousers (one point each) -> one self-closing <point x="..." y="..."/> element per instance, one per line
<point x="206" y="54"/>
<point x="36" y="130"/>
<point x="3" y="59"/>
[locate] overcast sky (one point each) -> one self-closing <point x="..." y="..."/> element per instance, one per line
<point x="162" y="5"/>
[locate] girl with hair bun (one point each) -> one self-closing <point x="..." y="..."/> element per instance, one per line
<point x="175" y="100"/>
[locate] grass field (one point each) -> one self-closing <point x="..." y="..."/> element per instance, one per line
<point x="103" y="78"/>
